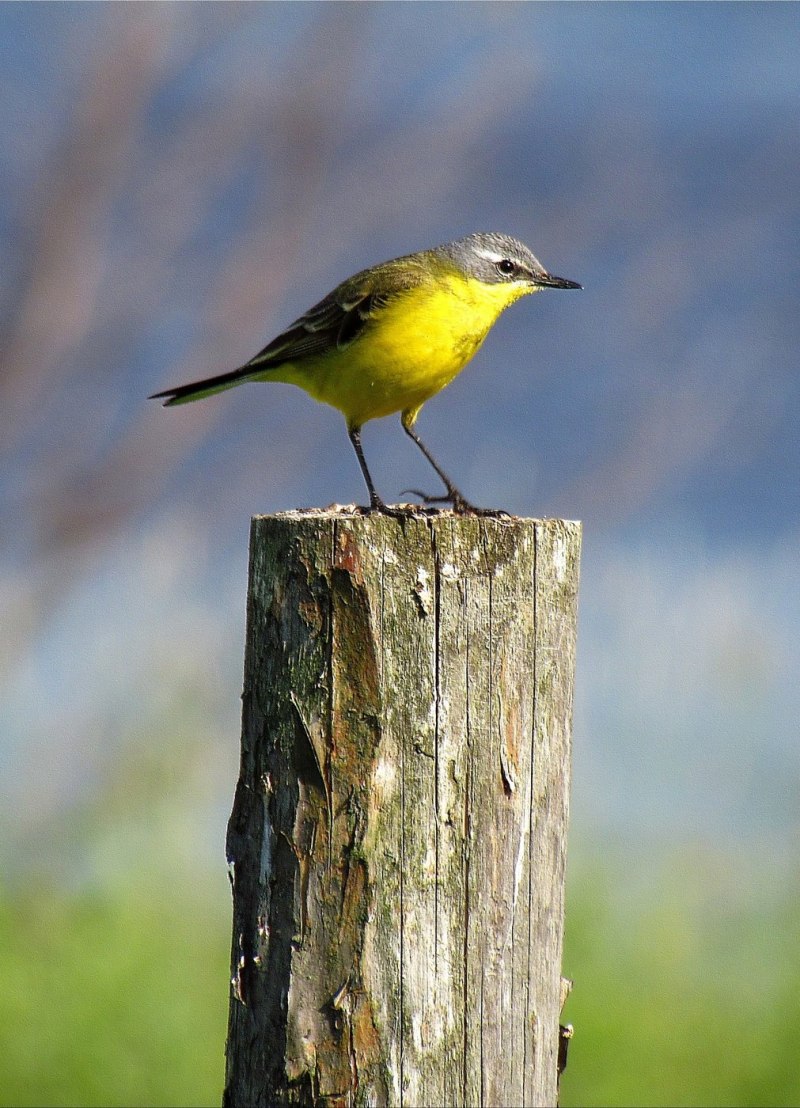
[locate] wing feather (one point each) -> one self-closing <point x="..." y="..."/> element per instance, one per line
<point x="341" y="318"/>
<point x="334" y="323"/>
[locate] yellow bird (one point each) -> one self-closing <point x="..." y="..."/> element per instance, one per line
<point x="392" y="336"/>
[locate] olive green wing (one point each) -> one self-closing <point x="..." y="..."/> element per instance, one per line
<point x="333" y="324"/>
<point x="341" y="318"/>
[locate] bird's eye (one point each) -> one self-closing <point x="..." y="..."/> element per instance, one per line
<point x="506" y="267"/>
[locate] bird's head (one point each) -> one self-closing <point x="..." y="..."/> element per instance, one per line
<point x="496" y="259"/>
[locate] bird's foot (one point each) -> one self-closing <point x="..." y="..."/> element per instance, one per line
<point x="396" y="511"/>
<point x="460" y="505"/>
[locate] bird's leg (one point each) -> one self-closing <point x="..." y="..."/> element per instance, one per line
<point x="375" y="502"/>
<point x="460" y="503"/>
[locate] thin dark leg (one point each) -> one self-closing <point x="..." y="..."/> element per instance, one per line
<point x="375" y="502"/>
<point x="454" y="497"/>
<point x="452" y="491"/>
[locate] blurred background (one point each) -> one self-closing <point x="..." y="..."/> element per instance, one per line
<point x="179" y="183"/>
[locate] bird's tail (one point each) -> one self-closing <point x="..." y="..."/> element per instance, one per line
<point x="199" y="389"/>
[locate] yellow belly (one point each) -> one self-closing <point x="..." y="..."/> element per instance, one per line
<point x="407" y="353"/>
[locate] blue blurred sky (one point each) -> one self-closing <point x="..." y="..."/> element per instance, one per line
<point x="181" y="181"/>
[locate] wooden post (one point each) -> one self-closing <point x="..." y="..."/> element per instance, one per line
<point x="398" y="837"/>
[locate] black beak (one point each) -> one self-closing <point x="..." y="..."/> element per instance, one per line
<point x="548" y="281"/>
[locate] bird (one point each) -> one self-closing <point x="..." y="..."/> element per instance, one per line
<point x="392" y="336"/>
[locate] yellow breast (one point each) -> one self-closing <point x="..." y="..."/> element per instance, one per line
<point x="411" y="349"/>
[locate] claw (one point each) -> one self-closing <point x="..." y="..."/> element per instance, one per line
<point x="378" y="506"/>
<point x="460" y="505"/>
<point x="424" y="497"/>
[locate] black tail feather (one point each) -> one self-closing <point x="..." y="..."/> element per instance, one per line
<point x="196" y="390"/>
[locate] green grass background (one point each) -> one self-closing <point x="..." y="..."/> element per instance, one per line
<point x="687" y="987"/>
<point x="114" y="998"/>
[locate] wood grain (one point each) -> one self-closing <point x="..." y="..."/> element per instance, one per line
<point x="398" y="837"/>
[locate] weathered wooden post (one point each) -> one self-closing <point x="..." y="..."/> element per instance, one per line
<point x="397" y="842"/>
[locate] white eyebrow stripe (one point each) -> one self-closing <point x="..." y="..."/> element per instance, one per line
<point x="492" y="255"/>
